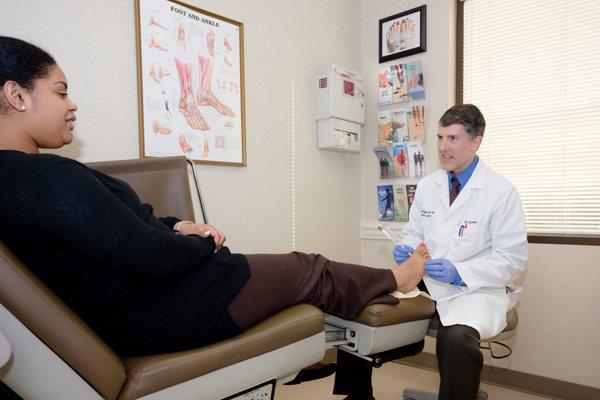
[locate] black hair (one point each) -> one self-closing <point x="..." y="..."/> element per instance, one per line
<point x="22" y="62"/>
<point x="466" y="115"/>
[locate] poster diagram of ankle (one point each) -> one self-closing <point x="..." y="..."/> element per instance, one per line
<point x="187" y="104"/>
<point x="159" y="74"/>
<point x="160" y="129"/>
<point x="205" y="97"/>
<point x="184" y="145"/>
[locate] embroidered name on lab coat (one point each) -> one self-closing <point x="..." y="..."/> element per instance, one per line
<point x="426" y="213"/>
<point x="462" y="229"/>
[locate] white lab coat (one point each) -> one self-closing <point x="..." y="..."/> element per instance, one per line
<point x="489" y="251"/>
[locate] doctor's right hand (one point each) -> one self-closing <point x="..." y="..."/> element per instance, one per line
<point x="402" y="252"/>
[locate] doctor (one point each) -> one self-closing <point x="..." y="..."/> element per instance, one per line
<point x="471" y="219"/>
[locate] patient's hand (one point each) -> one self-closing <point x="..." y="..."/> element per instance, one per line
<point x="204" y="230"/>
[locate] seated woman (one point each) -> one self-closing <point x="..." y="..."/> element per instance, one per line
<point x="146" y="285"/>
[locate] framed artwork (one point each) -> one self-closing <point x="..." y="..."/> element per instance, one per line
<point x="403" y="34"/>
<point x="190" y="65"/>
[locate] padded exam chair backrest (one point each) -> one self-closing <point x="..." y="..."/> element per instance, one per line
<point x="55" y="324"/>
<point x="162" y="182"/>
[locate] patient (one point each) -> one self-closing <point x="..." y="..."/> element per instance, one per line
<point x="146" y="285"/>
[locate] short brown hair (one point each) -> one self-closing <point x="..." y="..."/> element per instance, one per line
<point x="466" y="115"/>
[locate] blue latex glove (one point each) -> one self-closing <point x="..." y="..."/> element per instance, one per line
<point x="402" y="252"/>
<point x="443" y="270"/>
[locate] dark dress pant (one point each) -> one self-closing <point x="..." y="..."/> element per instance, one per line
<point x="278" y="281"/>
<point x="460" y="362"/>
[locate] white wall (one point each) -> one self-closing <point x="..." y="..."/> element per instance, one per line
<point x="559" y="321"/>
<point x="285" y="42"/>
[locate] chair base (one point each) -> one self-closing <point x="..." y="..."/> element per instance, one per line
<point x="412" y="394"/>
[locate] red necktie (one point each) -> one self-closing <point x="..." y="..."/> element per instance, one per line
<point x="454" y="190"/>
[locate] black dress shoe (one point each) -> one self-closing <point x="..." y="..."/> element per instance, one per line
<point x="306" y="375"/>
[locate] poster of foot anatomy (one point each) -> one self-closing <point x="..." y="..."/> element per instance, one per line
<point x="190" y="72"/>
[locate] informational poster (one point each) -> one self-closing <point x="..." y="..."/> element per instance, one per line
<point x="190" y="72"/>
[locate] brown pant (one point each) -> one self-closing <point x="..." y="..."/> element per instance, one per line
<point x="279" y="281"/>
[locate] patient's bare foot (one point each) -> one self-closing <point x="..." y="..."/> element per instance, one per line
<point x="410" y="272"/>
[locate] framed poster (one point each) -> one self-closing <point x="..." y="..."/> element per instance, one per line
<point x="190" y="83"/>
<point x="403" y="34"/>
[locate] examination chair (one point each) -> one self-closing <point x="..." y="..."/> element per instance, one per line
<point x="48" y="352"/>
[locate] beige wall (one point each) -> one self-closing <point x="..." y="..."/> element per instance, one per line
<point x="285" y="42"/>
<point x="559" y="318"/>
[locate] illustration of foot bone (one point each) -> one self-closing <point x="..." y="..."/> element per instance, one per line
<point x="226" y="43"/>
<point x="158" y="77"/>
<point x="205" y="97"/>
<point x="181" y="36"/>
<point x="154" y="21"/>
<point x="185" y="146"/>
<point x="187" y="105"/>
<point x="210" y="43"/>
<point x="160" y="129"/>
<point x="153" y="75"/>
<point x="153" y="43"/>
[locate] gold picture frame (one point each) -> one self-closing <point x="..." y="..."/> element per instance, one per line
<point x="190" y="72"/>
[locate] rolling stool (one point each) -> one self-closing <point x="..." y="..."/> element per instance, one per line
<point x="512" y="320"/>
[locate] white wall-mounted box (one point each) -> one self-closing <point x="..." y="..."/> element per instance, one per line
<point x="338" y="135"/>
<point x="340" y="110"/>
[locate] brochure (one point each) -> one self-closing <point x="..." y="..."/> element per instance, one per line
<point x="385" y="200"/>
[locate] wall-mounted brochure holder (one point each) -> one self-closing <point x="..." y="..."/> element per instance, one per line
<point x="340" y="110"/>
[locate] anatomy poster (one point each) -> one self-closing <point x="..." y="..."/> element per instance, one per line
<point x="190" y="72"/>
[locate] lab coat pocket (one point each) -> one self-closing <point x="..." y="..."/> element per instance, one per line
<point x="468" y="241"/>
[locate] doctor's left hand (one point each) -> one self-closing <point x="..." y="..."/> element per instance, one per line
<point x="204" y="230"/>
<point x="441" y="269"/>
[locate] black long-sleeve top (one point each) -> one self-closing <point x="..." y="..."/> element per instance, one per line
<point x="87" y="236"/>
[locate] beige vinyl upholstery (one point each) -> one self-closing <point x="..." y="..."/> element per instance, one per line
<point x="411" y="309"/>
<point x="152" y="373"/>
<point x="162" y="182"/>
<point x="28" y="299"/>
